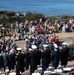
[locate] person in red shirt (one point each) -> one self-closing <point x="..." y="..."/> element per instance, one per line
<point x="52" y="39"/>
<point x="56" y="39"/>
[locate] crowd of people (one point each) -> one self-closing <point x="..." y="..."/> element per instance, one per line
<point x="38" y="27"/>
<point x="38" y="50"/>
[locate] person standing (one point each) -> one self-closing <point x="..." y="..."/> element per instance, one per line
<point x="11" y="58"/>
<point x="55" y="56"/>
<point x="1" y="62"/>
<point x="14" y="36"/>
<point x="5" y="56"/>
<point x="64" y="54"/>
<point x="19" y="61"/>
<point x="46" y="58"/>
<point x="39" y="57"/>
<point x="27" y="58"/>
<point x="33" y="59"/>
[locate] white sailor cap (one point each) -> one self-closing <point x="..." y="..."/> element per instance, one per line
<point x="64" y="43"/>
<point x="11" y="51"/>
<point x="55" y="45"/>
<point x="45" y="45"/>
<point x="34" y="47"/>
<point x="30" y="49"/>
<point x="26" y="40"/>
<point x="19" y="49"/>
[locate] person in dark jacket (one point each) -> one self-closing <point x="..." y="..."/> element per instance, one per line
<point x="27" y="59"/>
<point x="1" y="62"/>
<point x="55" y="57"/>
<point x="11" y="58"/>
<point x="33" y="59"/>
<point x="5" y="57"/>
<point x="39" y="56"/>
<point x="64" y="55"/>
<point x="46" y="58"/>
<point x="20" y="62"/>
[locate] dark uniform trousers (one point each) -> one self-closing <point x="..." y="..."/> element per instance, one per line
<point x="64" y="56"/>
<point x="46" y="59"/>
<point x="19" y="68"/>
<point x="34" y="61"/>
<point x="20" y="63"/>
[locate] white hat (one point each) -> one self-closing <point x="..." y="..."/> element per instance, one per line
<point x="11" y="51"/>
<point x="34" y="46"/>
<point x="64" y="43"/>
<point x="55" y="45"/>
<point x="30" y="49"/>
<point x="26" y="40"/>
<point x="19" y="49"/>
<point x="45" y="45"/>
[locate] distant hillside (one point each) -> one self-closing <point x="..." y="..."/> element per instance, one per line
<point x="8" y="17"/>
